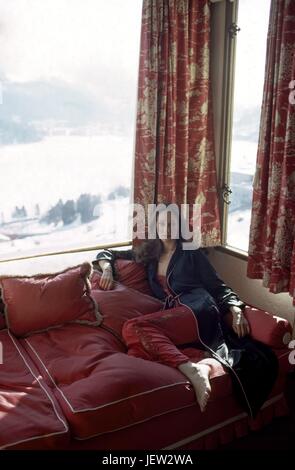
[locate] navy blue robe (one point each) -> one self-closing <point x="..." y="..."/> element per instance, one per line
<point x="194" y="282"/>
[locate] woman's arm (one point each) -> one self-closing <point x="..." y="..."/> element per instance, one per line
<point x="108" y="257"/>
<point x="223" y="295"/>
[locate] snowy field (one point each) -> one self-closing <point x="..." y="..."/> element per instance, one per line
<point x="111" y="226"/>
<point x="63" y="168"/>
<point x="238" y="227"/>
<point x="46" y="171"/>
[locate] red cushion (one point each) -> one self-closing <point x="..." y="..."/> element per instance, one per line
<point x="30" y="417"/>
<point x="121" y="303"/>
<point x="38" y="302"/>
<point x="133" y="275"/>
<point x="104" y="389"/>
<point x="269" y="329"/>
<point x="2" y="321"/>
<point x="2" y="316"/>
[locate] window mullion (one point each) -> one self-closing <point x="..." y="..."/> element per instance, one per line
<point x="227" y="113"/>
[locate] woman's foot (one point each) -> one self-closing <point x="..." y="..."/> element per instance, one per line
<point x="198" y="375"/>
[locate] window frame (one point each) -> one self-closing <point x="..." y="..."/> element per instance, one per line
<point x="225" y="143"/>
<point x="225" y="124"/>
<point x="67" y="252"/>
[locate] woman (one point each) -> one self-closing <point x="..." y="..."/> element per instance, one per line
<point x="185" y="277"/>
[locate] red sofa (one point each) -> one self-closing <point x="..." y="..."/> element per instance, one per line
<point x="74" y="385"/>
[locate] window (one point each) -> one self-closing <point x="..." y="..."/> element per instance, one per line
<point x="248" y="89"/>
<point x="68" y="72"/>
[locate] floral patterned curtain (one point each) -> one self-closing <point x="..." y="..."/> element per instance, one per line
<point x="174" y="148"/>
<point x="272" y="231"/>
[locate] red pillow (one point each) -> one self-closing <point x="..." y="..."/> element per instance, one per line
<point x="34" y="303"/>
<point x="121" y="303"/>
<point x="2" y="321"/>
<point x="2" y="317"/>
<point x="133" y="274"/>
<point x="269" y="329"/>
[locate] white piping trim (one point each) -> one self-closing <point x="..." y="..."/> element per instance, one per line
<point x="193" y="437"/>
<point x="31" y="439"/>
<point x="48" y="396"/>
<point x="133" y="424"/>
<point x="267" y="403"/>
<point x="189" y="439"/>
<point x="106" y="404"/>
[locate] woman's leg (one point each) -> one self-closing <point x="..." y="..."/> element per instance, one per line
<point x="157" y="334"/>
<point x="257" y="369"/>
<point x="208" y="324"/>
<point x="155" y="337"/>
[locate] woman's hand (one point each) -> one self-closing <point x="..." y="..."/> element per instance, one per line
<point x="237" y="321"/>
<point x="106" y="280"/>
<point x="240" y="324"/>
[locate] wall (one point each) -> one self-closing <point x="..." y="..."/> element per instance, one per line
<point x="233" y="271"/>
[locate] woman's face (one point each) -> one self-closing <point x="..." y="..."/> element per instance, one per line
<point x="167" y="225"/>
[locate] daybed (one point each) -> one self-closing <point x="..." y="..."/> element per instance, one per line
<point x="68" y="382"/>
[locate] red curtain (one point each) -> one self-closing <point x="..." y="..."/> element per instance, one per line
<point x="272" y="240"/>
<point x="174" y="148"/>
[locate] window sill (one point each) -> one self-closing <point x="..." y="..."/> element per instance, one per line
<point x="230" y="250"/>
<point x="53" y="262"/>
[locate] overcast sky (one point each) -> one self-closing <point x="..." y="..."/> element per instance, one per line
<point x="253" y="18"/>
<point x="78" y="41"/>
<point x="71" y="61"/>
<point x="89" y="42"/>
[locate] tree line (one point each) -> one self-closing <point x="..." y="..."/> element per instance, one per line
<point x="87" y="206"/>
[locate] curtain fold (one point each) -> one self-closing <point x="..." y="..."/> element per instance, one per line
<point x="174" y="148"/>
<point x="272" y="241"/>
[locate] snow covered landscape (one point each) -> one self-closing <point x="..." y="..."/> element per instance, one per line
<point x="107" y="165"/>
<point x="28" y="183"/>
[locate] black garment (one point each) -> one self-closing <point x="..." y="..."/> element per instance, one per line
<point x="194" y="282"/>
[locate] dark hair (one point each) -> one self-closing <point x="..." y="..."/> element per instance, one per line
<point x="151" y="249"/>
